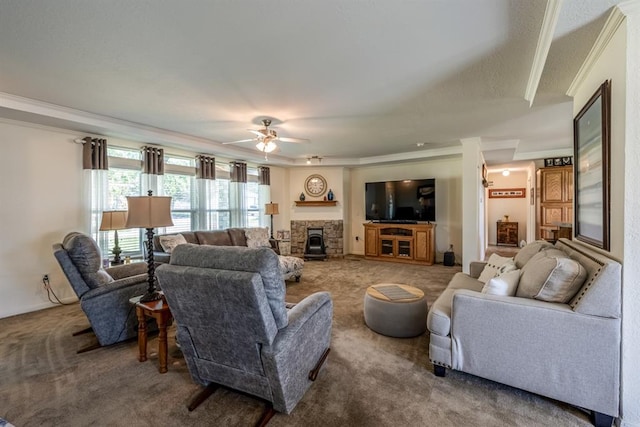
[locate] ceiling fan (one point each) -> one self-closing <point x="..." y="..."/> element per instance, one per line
<point x="266" y="138"/>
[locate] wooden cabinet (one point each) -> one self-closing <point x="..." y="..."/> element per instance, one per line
<point x="507" y="233"/>
<point x="411" y="243"/>
<point x="555" y="201"/>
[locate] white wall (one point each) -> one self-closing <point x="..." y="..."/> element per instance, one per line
<point x="41" y="180"/>
<point x="335" y="181"/>
<point x="619" y="62"/>
<point x="448" y="175"/>
<point x="473" y="203"/>
<point x="516" y="208"/>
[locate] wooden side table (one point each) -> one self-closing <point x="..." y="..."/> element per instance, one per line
<point x="158" y="310"/>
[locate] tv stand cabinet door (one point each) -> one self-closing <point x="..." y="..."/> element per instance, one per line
<point x="422" y="251"/>
<point x="371" y="241"/>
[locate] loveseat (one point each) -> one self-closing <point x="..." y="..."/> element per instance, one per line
<point x="291" y="267"/>
<point x="550" y="341"/>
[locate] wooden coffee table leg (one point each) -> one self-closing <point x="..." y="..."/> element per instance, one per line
<point x="162" y="342"/>
<point x="142" y="335"/>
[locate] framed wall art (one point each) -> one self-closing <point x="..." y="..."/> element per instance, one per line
<point x="507" y="193"/>
<point x="591" y="148"/>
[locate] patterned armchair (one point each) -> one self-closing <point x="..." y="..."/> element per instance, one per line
<point x="103" y="293"/>
<point x="236" y="330"/>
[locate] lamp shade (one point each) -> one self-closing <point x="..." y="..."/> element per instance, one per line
<point x="149" y="211"/>
<point x="271" y="209"/>
<point x="113" y="220"/>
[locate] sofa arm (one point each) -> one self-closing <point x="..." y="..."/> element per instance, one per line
<point x="127" y="270"/>
<point x="116" y="285"/>
<point x="297" y="349"/>
<point x="475" y="268"/>
<point x="542" y="347"/>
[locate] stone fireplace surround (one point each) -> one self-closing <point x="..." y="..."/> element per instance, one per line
<point x="333" y="236"/>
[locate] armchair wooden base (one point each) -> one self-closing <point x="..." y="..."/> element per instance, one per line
<point x="313" y="374"/>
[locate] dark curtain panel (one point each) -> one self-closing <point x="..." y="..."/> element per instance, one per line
<point x="152" y="160"/>
<point x="264" y="175"/>
<point x="205" y="167"/>
<point x="94" y="153"/>
<point x="238" y="172"/>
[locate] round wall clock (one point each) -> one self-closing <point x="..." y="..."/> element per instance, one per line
<point x="315" y="185"/>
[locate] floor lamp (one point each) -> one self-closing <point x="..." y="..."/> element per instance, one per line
<point x="271" y="209"/>
<point x="114" y="220"/>
<point x="149" y="212"/>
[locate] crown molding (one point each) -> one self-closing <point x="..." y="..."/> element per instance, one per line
<point x="551" y="14"/>
<point x="616" y="17"/>
<point x="630" y="7"/>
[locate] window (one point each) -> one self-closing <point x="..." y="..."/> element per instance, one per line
<point x="252" y="195"/>
<point x="196" y="204"/>
<point x="123" y="179"/>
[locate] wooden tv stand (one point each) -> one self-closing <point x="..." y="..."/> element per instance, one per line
<point x="409" y="243"/>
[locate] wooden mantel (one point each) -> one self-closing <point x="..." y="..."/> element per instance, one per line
<point x="316" y="202"/>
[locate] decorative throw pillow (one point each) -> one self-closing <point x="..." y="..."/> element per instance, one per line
<point x="506" y="284"/>
<point x="257" y="237"/>
<point x="494" y="263"/>
<point x="525" y="254"/>
<point x="169" y="242"/>
<point x="552" y="276"/>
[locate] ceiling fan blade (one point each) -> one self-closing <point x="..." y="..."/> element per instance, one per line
<point x="296" y="140"/>
<point x="259" y="133"/>
<point x="236" y="142"/>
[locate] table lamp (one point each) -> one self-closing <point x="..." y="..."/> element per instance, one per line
<point x="114" y="220"/>
<point x="271" y="209"/>
<point x="149" y="212"/>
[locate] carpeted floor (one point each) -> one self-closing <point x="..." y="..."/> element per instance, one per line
<point x="370" y="379"/>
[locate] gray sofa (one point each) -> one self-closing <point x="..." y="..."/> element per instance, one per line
<point x="290" y="267"/>
<point x="235" y="328"/>
<point x="227" y="237"/>
<point x="566" y="351"/>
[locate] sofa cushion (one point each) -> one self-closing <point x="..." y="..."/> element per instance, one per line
<point x="505" y="284"/>
<point x="170" y="241"/>
<point x="257" y="237"/>
<point x="237" y="236"/>
<point x="85" y="254"/>
<point x="214" y="238"/>
<point x="530" y="250"/>
<point x="496" y="265"/>
<point x="551" y="276"/>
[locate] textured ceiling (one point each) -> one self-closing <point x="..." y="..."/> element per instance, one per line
<point x="360" y="79"/>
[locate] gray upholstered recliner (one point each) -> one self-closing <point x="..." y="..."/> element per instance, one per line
<point x="235" y="329"/>
<point x="103" y="293"/>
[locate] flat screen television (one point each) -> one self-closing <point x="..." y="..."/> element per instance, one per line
<point x="401" y="201"/>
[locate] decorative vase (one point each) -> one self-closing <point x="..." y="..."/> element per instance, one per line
<point x="330" y="195"/>
<point x="302" y="197"/>
<point x="506" y="218"/>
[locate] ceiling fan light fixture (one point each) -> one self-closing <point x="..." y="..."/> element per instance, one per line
<point x="267" y="148"/>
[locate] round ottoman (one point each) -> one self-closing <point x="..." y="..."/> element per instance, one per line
<point x="395" y="310"/>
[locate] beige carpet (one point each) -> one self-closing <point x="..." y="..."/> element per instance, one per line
<point x="370" y="380"/>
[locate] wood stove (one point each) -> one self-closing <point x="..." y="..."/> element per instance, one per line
<point x="315" y="248"/>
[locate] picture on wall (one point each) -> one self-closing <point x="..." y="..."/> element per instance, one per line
<point x="591" y="147"/>
<point x="507" y="193"/>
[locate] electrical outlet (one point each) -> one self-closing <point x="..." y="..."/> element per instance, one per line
<point x="45" y="277"/>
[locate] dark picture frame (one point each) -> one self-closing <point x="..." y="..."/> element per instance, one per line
<point x="507" y="193"/>
<point x="592" y="172"/>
